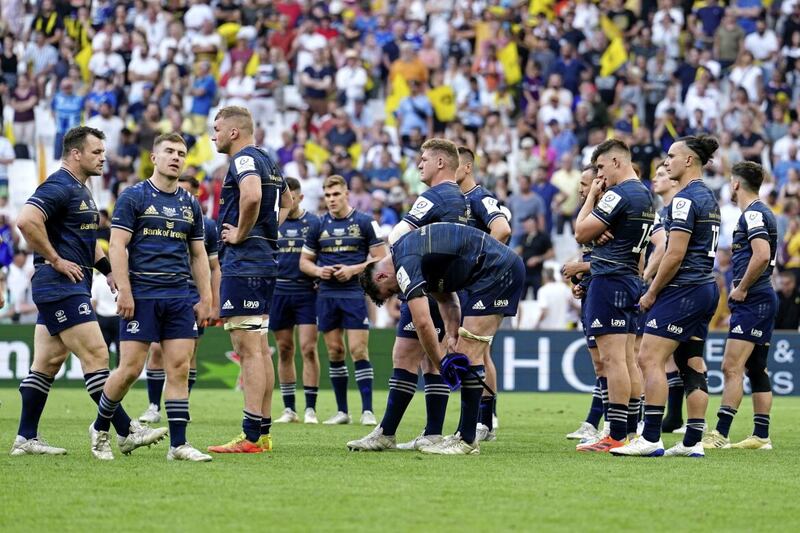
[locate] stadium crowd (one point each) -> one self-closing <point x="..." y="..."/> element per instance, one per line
<point x="355" y="87"/>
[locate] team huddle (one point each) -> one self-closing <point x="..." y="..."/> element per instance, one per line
<point x="645" y="280"/>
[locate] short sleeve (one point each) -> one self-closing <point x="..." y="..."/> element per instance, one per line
<point x="658" y="223"/>
<point x="50" y="198"/>
<point x="486" y="210"/>
<point x="243" y="166"/>
<point x="125" y="212"/>
<point x="755" y="225"/>
<point x="199" y="224"/>
<point x="682" y="212"/>
<point x="610" y="206"/>
<point x="311" y="244"/>
<point x="409" y="276"/>
<point x="423" y="211"/>
<point x="211" y="243"/>
<point x="370" y="229"/>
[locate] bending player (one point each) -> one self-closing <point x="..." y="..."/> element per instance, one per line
<point x="155" y="362"/>
<point x="626" y="210"/>
<point x="753" y="304"/>
<point x="337" y="253"/>
<point x="156" y="246"/>
<point x="441" y="259"/>
<point x="295" y="304"/>
<point x="60" y="223"/>
<point x="680" y="302"/>
<point x="255" y="201"/>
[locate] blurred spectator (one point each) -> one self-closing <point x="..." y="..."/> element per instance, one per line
<point x="360" y="198"/>
<point x="547" y="192"/>
<point x="386" y="174"/>
<point x="203" y="91"/>
<point x="414" y="113"/>
<point x="351" y="80"/>
<point x="566" y="179"/>
<point x="67" y="108"/>
<point x="6" y="158"/>
<point x="21" y="307"/>
<point x="317" y="80"/>
<point x="239" y="88"/>
<point x="555" y="302"/>
<point x="535" y="247"/>
<point x="109" y="124"/>
<point x="788" y="316"/>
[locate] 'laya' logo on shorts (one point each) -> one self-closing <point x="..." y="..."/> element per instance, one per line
<point x="84" y="309"/>
<point x="133" y="327"/>
<point x="250" y="304"/>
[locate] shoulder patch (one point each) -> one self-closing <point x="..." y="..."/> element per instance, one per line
<point x="608" y="202"/>
<point x="402" y="279"/>
<point x="420" y="207"/>
<point x="754" y="220"/>
<point x="681" y="208"/>
<point x="244" y="163"/>
<point x="490" y="204"/>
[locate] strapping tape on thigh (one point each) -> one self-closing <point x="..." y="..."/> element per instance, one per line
<point x="462" y="332"/>
<point x="248" y="323"/>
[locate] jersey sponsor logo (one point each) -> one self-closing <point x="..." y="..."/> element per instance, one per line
<point x="652" y="324"/>
<point x="244" y="163"/>
<point x="756" y="332"/>
<point x="672" y="328"/>
<point x="289" y="233"/>
<point x="500" y="303"/>
<point x="169" y="211"/>
<point x="402" y="279"/>
<point x="420" y="207"/>
<point x="84" y="309"/>
<point x="227" y="305"/>
<point x="338" y="232"/>
<point x="608" y="202"/>
<point x="133" y="327"/>
<point x="250" y="304"/>
<point x="479" y="305"/>
<point x="617" y="323"/>
<point x="83" y="206"/>
<point x="754" y="220"/>
<point x="596" y="323"/>
<point x="737" y="329"/>
<point x="681" y="208"/>
<point x="61" y="316"/>
<point x="491" y="205"/>
<point x="151" y="211"/>
<point x="353" y="230"/>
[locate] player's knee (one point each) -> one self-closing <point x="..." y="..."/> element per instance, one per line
<point x="757" y="370"/>
<point x="731" y="371"/>
<point x="178" y="372"/>
<point x="359" y="352"/>
<point x="336" y="352"/>
<point x="308" y="350"/>
<point x="285" y="351"/>
<point x="49" y="364"/>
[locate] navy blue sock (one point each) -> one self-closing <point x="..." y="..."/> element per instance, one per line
<point x="725" y="419"/>
<point x="34" y="390"/>
<point x="674" y="398"/>
<point x="436" y="396"/>
<point x="95" y="381"/>
<point x="155" y="385"/>
<point x="105" y="412"/>
<point x="485" y="413"/>
<point x="694" y="431"/>
<point x="364" y="379"/>
<point x="266" y="425"/>
<point x="596" y="410"/>
<point x="311" y="396"/>
<point x="604" y="396"/>
<point x="618" y="419"/>
<point x="402" y="386"/>
<point x="287" y="393"/>
<point x="634" y="405"/>
<point x="178" y="418"/>
<point x="192" y="378"/>
<point x="494" y="405"/>
<point x="652" y="422"/>
<point x="338" y="374"/>
<point x="761" y="426"/>
<point x="251" y="426"/>
<point x="471" y="391"/>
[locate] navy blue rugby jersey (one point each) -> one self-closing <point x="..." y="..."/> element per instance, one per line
<point x="345" y="241"/>
<point x="162" y="225"/>
<point x="756" y="222"/>
<point x="442" y="203"/>
<point x="211" y="245"/>
<point x="483" y="208"/>
<point x="256" y="255"/>
<point x="71" y="221"/>
<point x="291" y="238"/>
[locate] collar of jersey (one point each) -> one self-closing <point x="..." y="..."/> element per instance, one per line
<point x="352" y="209"/>
<point x="751" y="204"/>
<point x="472" y="189"/>
<point x="65" y="169"/>
<point x="150" y="183"/>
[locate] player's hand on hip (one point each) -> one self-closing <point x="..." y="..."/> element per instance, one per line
<point x="605" y="237"/>
<point x="737" y="295"/>
<point x="578" y="291"/>
<point x="646" y="302"/>
<point x="202" y="313"/>
<point x="344" y="273"/>
<point x="571" y="269"/>
<point x="125" y="305"/>
<point x="230" y="234"/>
<point x="69" y="269"/>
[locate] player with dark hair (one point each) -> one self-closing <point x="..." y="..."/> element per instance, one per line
<point x="255" y="201"/>
<point x="294" y="304"/>
<point x="439" y="260"/>
<point x="156" y="246"/>
<point x="626" y="210"/>
<point x="753" y="304"/>
<point x="442" y="202"/>
<point x="336" y="253"/>
<point x="156" y="376"/>
<point x="60" y="223"/>
<point x="680" y="302"/>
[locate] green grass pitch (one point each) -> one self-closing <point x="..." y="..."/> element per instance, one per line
<point x="531" y="479"/>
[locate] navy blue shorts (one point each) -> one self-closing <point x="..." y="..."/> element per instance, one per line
<point x="63" y="314"/>
<point x="681" y="313"/>
<point x="290" y="310"/>
<point x="245" y="296"/>
<point x="591" y="342"/>
<point x="496" y="295"/>
<point x="611" y="305"/>
<point x="754" y="319"/>
<point x="405" y="326"/>
<point x="335" y="312"/>
<point x="158" y="319"/>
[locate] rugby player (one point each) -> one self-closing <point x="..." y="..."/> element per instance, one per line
<point x="626" y="210"/>
<point x="439" y="260"/>
<point x="157" y="244"/>
<point x="294" y="304"/>
<point x="337" y="253"/>
<point x="442" y="202"/>
<point x="753" y="305"/>
<point x="255" y="201"/>
<point x="155" y="362"/>
<point x="680" y="302"/>
<point x="59" y="222"/>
